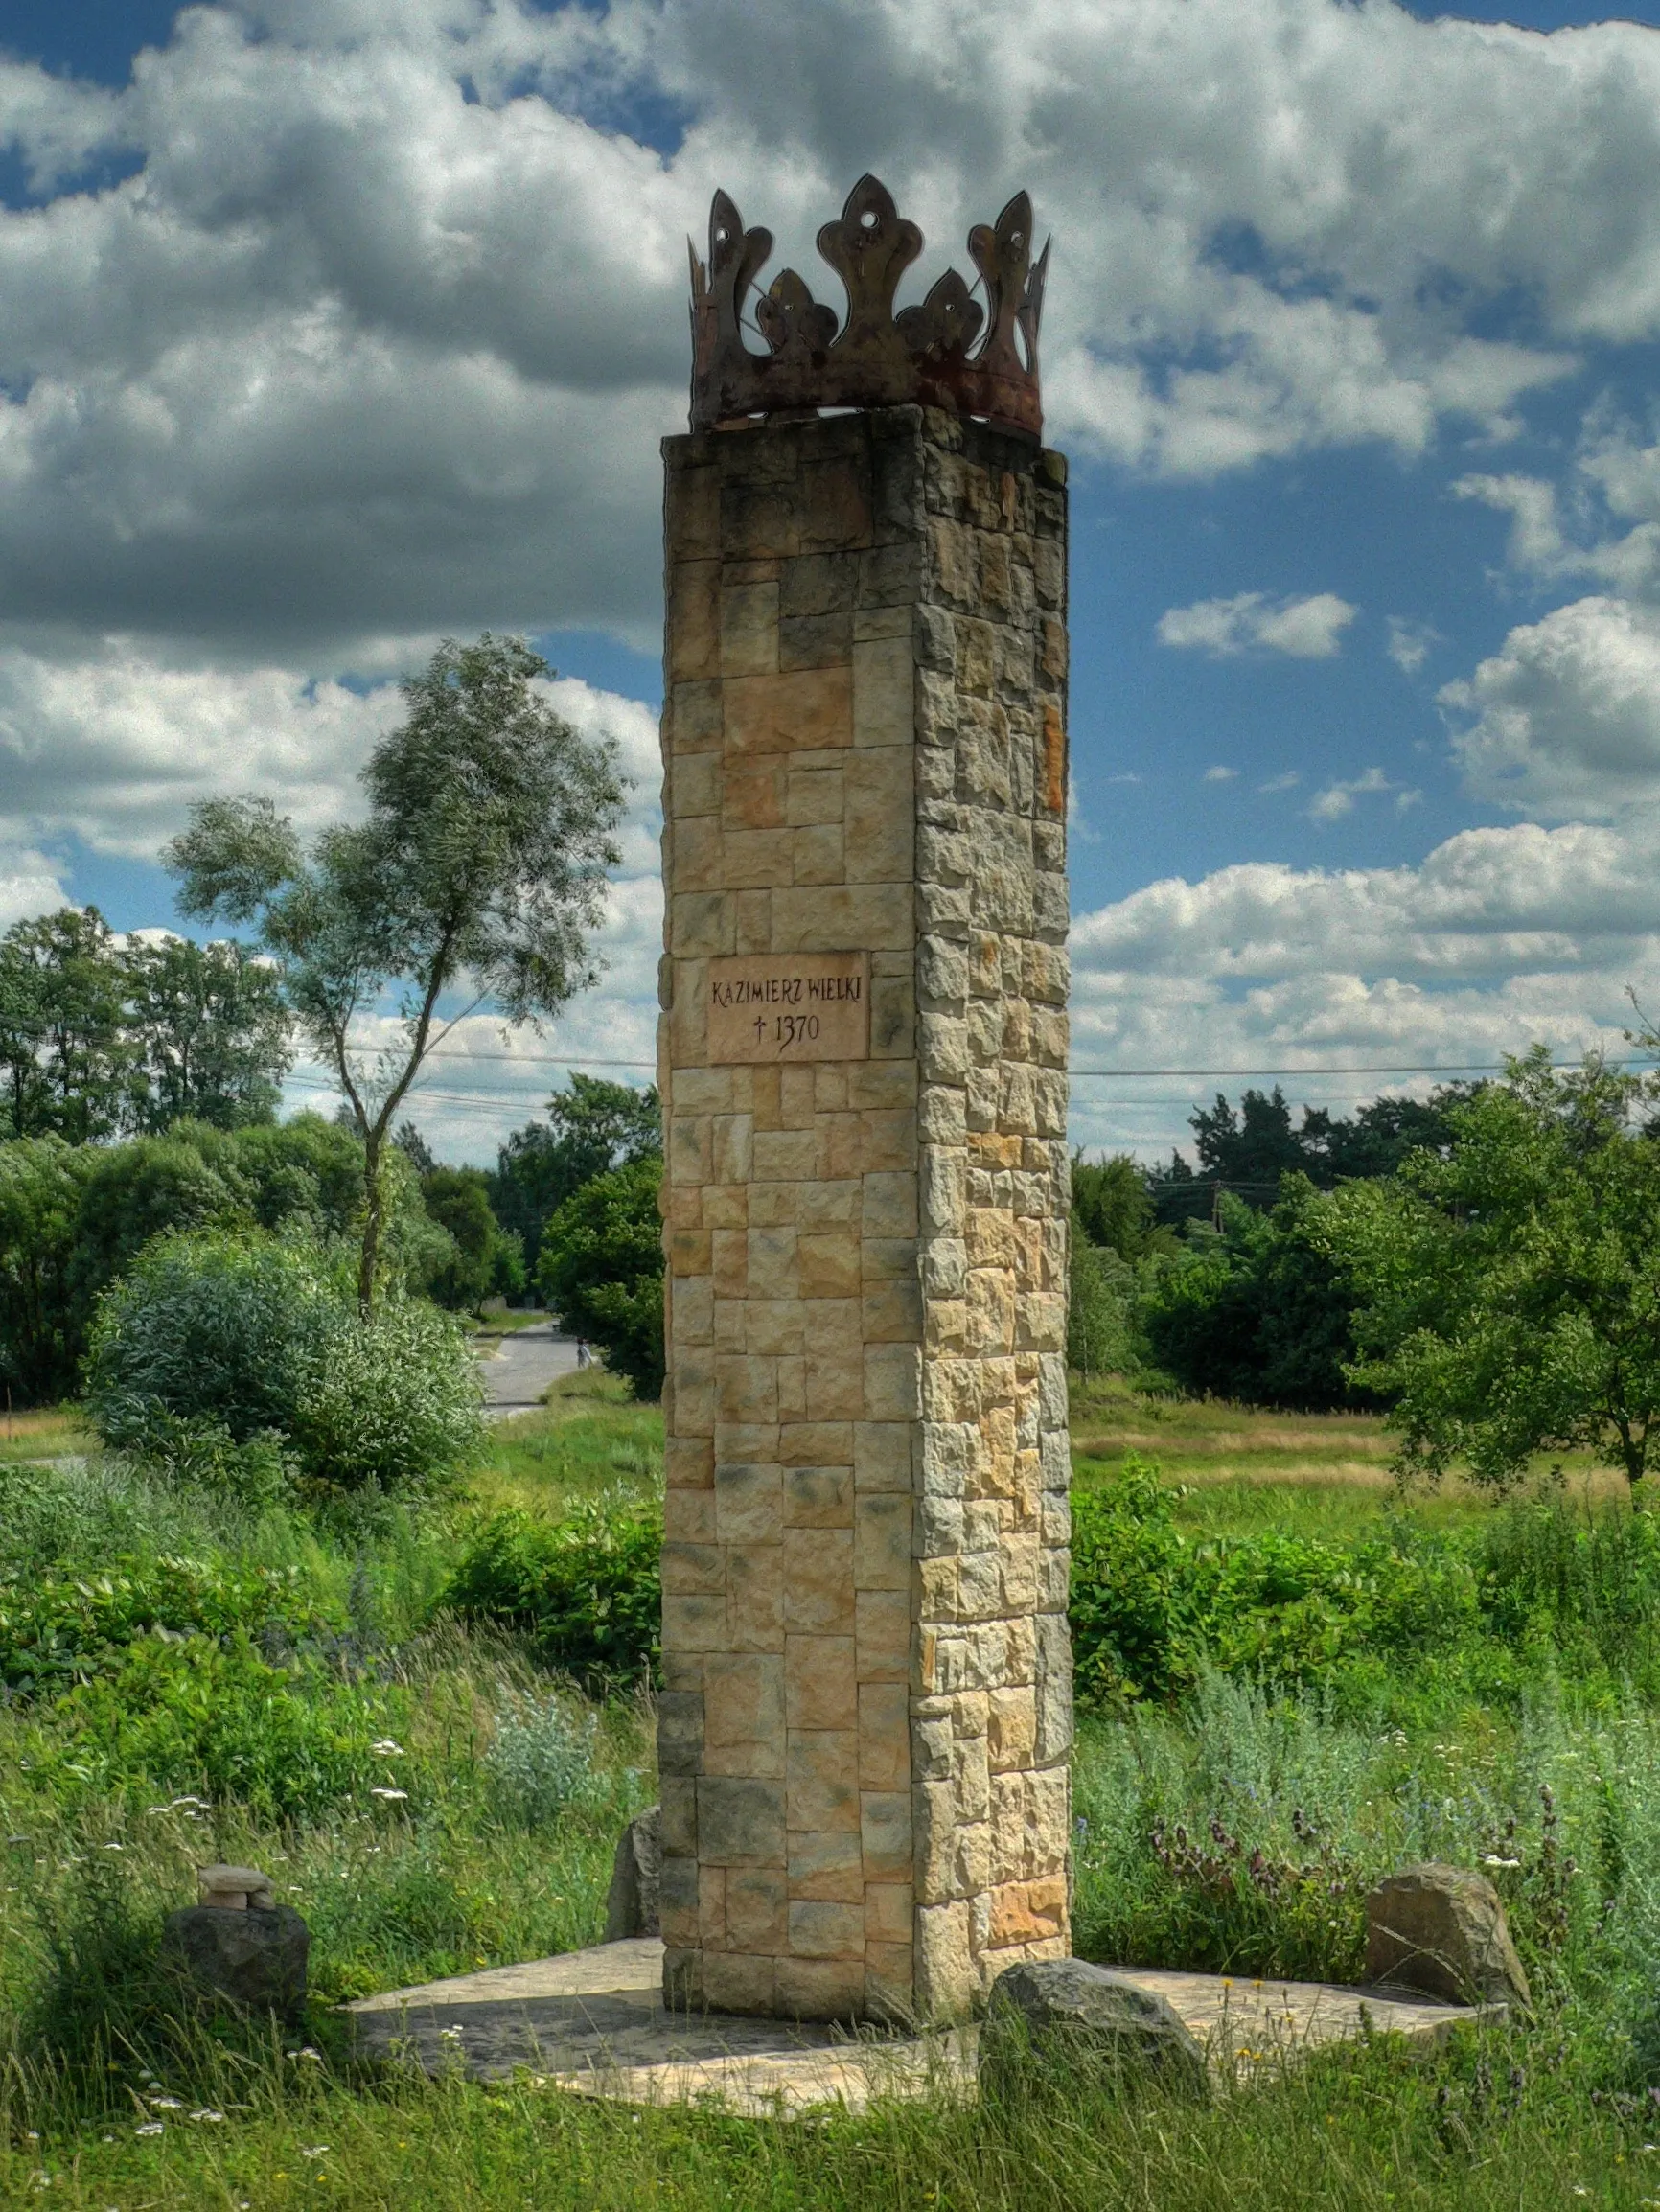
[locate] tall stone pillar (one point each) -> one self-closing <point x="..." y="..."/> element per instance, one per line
<point x="866" y="1716"/>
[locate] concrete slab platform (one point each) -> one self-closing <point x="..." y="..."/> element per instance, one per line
<point x="593" y="2022"/>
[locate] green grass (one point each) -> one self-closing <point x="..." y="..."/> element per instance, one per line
<point x="1370" y="2133"/>
<point x="465" y="1870"/>
<point x="43" y="1433"/>
<point x="592" y="1441"/>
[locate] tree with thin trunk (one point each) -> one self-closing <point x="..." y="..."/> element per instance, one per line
<point x="477" y="875"/>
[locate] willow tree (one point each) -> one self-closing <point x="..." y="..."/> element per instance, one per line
<point x="475" y="877"/>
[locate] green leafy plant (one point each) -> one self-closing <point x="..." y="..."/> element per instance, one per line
<point x="602" y="1270"/>
<point x="218" y="1717"/>
<point x="58" y="1633"/>
<point x="392" y="1401"/>
<point x="587" y="1590"/>
<point x="211" y="1328"/>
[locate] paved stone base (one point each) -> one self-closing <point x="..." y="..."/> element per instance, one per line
<point x="593" y="2022"/>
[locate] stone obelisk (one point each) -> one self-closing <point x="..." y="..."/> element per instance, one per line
<point x="866" y="1716"/>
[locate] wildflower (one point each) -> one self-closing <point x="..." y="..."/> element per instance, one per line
<point x="383" y="1747"/>
<point x="207" y="2113"/>
<point x="152" y="2128"/>
<point x="313" y="2149"/>
<point x="164" y="2104"/>
<point x="392" y="1795"/>
<point x="1493" y="1858"/>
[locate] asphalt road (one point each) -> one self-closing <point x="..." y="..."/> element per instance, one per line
<point x="525" y="1362"/>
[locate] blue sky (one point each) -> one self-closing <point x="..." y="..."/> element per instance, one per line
<point x="340" y="324"/>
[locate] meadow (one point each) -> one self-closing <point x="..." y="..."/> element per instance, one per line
<point x="429" y="1724"/>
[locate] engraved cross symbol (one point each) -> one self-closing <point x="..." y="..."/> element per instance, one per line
<point x="760" y="1027"/>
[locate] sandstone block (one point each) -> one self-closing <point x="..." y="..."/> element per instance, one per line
<point x="822" y="1781"/>
<point x="740" y="1821"/>
<point x="809" y="710"/>
<point x="1086" y="2017"/>
<point x="1443" y="1929"/>
<point x="818" y="1582"/>
<point x="821" y="1684"/>
<point x="755" y="1908"/>
<point x="631" y="1903"/>
<point x="827" y="1866"/>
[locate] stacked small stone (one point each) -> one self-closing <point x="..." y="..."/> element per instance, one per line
<point x="862" y="1727"/>
<point x="992" y="1715"/>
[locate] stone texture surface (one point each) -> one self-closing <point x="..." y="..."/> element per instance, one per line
<point x="1443" y="1929"/>
<point x="255" y="1958"/>
<point x="1098" y="2016"/>
<point x="595" y="2022"/>
<point x="866" y="1711"/>
<point x="631" y="1903"/>
<point x="234" y="1888"/>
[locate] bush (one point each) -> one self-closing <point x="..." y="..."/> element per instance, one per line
<point x="587" y="1589"/>
<point x="602" y="1270"/>
<point x="541" y="1761"/>
<point x="393" y="1402"/>
<point x="226" y="1359"/>
<point x="286" y="1740"/>
<point x="210" y="1329"/>
<point x="54" y="1632"/>
<point x="1151" y="1611"/>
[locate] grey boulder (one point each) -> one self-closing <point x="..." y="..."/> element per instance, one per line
<point x="1085" y="2014"/>
<point x="253" y="1959"/>
<point x="1442" y="1930"/>
<point x="630" y="1906"/>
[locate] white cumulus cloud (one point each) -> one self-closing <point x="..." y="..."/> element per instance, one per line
<point x="1564" y="719"/>
<point x="1498" y="938"/>
<point x="1308" y="629"/>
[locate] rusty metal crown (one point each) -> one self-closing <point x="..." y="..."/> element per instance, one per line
<point x="877" y="358"/>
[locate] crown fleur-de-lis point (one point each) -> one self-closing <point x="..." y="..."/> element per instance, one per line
<point x="932" y="355"/>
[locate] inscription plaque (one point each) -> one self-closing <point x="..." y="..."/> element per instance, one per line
<point x="765" y="1006"/>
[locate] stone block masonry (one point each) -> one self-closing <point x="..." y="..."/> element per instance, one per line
<point x="866" y="1718"/>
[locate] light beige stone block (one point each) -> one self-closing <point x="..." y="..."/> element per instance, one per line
<point x="823" y="1780"/>
<point x="827" y="1865"/>
<point x="829" y="1931"/>
<point x="818" y="1582"/>
<point x="807" y="710"/>
<point x="819" y="1497"/>
<point x="820" y="1685"/>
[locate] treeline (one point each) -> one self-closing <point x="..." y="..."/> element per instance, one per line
<point x="1215" y="1275"/>
<point x="103" y="1036"/>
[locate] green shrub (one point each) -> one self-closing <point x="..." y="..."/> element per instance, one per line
<point x="288" y="1741"/>
<point x="392" y="1403"/>
<point x="602" y="1270"/>
<point x="540" y="1760"/>
<point x="58" y="1633"/>
<point x="1151" y="1609"/>
<point x="224" y="1358"/>
<point x="587" y="1589"/>
<point x="210" y="1329"/>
